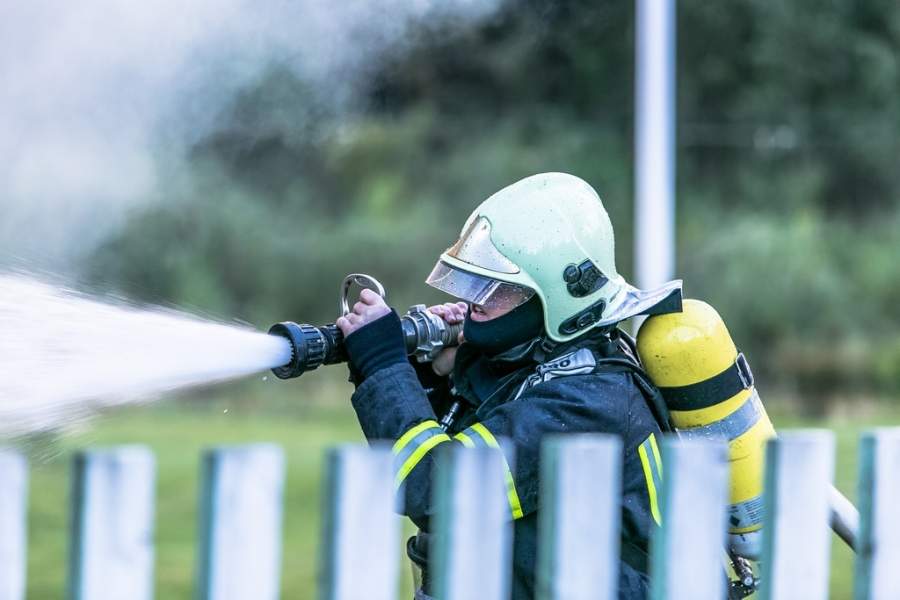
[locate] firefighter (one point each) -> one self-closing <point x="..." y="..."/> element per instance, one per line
<point x="540" y="297"/>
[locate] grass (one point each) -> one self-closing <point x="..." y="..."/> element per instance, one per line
<point x="304" y="418"/>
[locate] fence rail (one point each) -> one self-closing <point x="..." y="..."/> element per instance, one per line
<point x="239" y="557"/>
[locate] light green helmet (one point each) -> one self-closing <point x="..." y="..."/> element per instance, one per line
<point x="549" y="235"/>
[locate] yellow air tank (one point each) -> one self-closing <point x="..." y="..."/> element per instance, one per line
<point x="708" y="388"/>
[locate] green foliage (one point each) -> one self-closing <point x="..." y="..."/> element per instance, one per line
<point x="788" y="191"/>
<point x="807" y="298"/>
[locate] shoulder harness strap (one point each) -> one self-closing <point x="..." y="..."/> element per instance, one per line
<point x="655" y="399"/>
<point x="583" y="362"/>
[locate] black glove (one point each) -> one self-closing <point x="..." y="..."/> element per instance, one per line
<point x="375" y="346"/>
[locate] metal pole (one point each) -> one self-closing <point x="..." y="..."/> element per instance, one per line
<point x="654" y="140"/>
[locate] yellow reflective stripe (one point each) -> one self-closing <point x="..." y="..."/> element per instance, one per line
<point x="400" y="444"/>
<point x="466" y="440"/>
<point x="648" y="476"/>
<point x="486" y="435"/>
<point x="659" y="465"/>
<point x="515" y="506"/>
<point x="410" y="463"/>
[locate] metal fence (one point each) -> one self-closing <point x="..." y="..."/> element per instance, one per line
<point x="112" y="555"/>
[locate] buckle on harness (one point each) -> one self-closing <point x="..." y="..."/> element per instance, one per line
<point x="743" y="370"/>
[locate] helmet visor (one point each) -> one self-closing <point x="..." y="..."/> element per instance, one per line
<point x="476" y="289"/>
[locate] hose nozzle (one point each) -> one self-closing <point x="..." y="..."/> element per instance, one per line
<point x="424" y="334"/>
<point x="311" y="347"/>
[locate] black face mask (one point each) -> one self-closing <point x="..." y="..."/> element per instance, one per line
<point x="498" y="335"/>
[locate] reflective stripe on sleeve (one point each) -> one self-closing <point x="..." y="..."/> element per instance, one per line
<point x="412" y="447"/>
<point x="479" y="436"/>
<point x="465" y="440"/>
<point x="651" y="461"/>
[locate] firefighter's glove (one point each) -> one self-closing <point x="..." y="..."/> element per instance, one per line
<point x="374" y="346"/>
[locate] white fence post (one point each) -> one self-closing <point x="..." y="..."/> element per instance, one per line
<point x="111" y="553"/>
<point x="878" y="552"/>
<point x="13" y="536"/>
<point x="240" y="516"/>
<point x="579" y="520"/>
<point x="361" y="530"/>
<point x="471" y="551"/>
<point x="687" y="550"/>
<point x="796" y="535"/>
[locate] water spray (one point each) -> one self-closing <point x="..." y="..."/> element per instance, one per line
<point x="425" y="334"/>
<point x="65" y="355"/>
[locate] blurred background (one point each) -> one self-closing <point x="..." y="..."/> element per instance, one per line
<point x="237" y="161"/>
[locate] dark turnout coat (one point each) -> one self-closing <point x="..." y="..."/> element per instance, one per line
<point x="523" y="395"/>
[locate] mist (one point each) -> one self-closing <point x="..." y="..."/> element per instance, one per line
<point x="100" y="100"/>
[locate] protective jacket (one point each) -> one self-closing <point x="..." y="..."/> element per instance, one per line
<point x="592" y="384"/>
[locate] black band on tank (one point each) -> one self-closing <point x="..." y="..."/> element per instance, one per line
<point x="708" y="392"/>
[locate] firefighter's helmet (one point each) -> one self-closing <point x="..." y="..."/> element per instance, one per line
<point x="548" y="235"/>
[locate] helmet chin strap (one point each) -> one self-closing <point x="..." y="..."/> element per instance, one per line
<point x="532" y="349"/>
<point x="541" y="346"/>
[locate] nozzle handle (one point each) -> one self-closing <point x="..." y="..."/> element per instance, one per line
<point x="362" y="280"/>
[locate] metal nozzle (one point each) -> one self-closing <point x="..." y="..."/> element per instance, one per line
<point x="424" y="334"/>
<point x="309" y="348"/>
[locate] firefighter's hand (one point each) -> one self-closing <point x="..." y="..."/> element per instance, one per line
<point x="370" y="307"/>
<point x="453" y="313"/>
